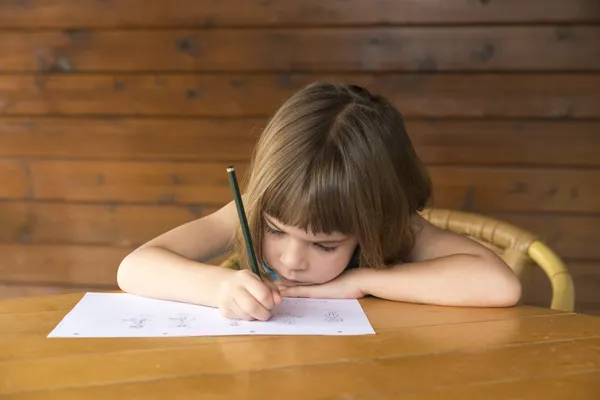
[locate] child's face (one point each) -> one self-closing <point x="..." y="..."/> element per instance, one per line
<point x="301" y="258"/>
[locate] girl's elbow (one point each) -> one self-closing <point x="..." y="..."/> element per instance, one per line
<point x="124" y="273"/>
<point x="507" y="291"/>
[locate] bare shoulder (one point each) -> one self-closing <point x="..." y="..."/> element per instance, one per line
<point x="203" y="238"/>
<point x="433" y="242"/>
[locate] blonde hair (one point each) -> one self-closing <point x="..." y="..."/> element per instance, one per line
<point x="335" y="157"/>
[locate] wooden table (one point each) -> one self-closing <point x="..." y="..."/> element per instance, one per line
<point x="419" y="352"/>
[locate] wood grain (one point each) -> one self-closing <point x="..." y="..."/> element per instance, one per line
<point x="117" y="116"/>
<point x="278" y="364"/>
<point x="415" y="345"/>
<point x="73" y="265"/>
<point x="483" y="190"/>
<point x="15" y="179"/>
<point x="506" y="142"/>
<point x="573" y="236"/>
<point x="190" y="13"/>
<point x="131" y="139"/>
<point x="61" y="302"/>
<point x="540" y="328"/>
<point x="96" y="224"/>
<point x="64" y="265"/>
<point x="565" y="96"/>
<point x="438" y="141"/>
<point x="584" y="385"/>
<point x="477" y="189"/>
<point x="17" y="291"/>
<point x="357" y="49"/>
<point x="144" y="182"/>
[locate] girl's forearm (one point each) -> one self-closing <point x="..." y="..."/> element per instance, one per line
<point x="158" y="273"/>
<point x="456" y="280"/>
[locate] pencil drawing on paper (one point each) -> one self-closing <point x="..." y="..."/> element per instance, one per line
<point x="181" y="321"/>
<point x="137" y="322"/>
<point x="284" y="318"/>
<point x="234" y="322"/>
<point x="333" y="316"/>
<point x="123" y="315"/>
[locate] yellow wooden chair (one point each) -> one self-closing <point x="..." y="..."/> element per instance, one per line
<point x="517" y="247"/>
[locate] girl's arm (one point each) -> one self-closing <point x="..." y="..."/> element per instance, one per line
<point x="446" y="269"/>
<point x="165" y="267"/>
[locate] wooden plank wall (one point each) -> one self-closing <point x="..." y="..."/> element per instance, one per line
<point x="117" y="118"/>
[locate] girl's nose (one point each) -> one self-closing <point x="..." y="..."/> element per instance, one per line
<point x="292" y="257"/>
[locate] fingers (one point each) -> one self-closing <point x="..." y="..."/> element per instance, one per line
<point x="264" y="293"/>
<point x="252" y="307"/>
<point x="234" y="311"/>
<point x="274" y="292"/>
<point x="246" y="308"/>
<point x="246" y="297"/>
<point x="271" y="285"/>
<point x="301" y="291"/>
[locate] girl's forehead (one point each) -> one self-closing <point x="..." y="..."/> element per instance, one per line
<point x="333" y="236"/>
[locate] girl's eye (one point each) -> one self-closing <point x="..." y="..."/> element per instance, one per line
<point x="273" y="231"/>
<point x="325" y="248"/>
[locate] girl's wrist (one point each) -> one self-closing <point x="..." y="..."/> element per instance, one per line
<point x="369" y="279"/>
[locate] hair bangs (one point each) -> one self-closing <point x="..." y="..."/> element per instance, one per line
<point x="321" y="204"/>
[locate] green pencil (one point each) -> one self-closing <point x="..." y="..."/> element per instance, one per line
<point x="243" y="221"/>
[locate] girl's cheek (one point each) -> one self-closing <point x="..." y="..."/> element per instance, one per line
<point x="267" y="247"/>
<point x="327" y="273"/>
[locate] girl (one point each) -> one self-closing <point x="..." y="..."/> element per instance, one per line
<point x="333" y="201"/>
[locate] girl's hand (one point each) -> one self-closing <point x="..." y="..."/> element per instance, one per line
<point x="245" y="296"/>
<point x="345" y="286"/>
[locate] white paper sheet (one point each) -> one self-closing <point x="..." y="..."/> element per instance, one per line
<point x="126" y="315"/>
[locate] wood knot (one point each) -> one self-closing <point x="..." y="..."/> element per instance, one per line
<point x="192" y="94"/>
<point x="381" y="39"/>
<point x="63" y="63"/>
<point x="78" y="35"/>
<point x="176" y="179"/>
<point x="427" y="64"/>
<point x="189" y="45"/>
<point x="284" y="81"/>
<point x="119" y="85"/>
<point x="564" y="33"/>
<point x="485" y="53"/>
<point x="210" y="21"/>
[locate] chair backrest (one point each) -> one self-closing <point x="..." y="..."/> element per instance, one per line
<point x="519" y="248"/>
